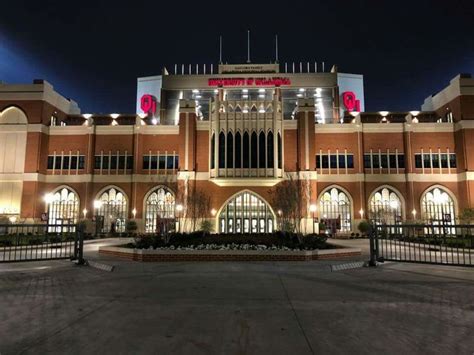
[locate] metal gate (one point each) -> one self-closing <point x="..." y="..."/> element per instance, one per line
<point x="442" y="244"/>
<point x="32" y="242"/>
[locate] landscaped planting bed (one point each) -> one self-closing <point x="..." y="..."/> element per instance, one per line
<point x="225" y="247"/>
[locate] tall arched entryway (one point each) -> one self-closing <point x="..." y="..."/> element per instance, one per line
<point x="335" y="208"/>
<point x="438" y="206"/>
<point x="159" y="210"/>
<point x="246" y="212"/>
<point x="63" y="206"/>
<point x="112" y="207"/>
<point x="386" y="206"/>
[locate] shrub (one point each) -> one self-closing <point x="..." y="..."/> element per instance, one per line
<point x="35" y="241"/>
<point x="206" y="226"/>
<point x="287" y="226"/>
<point x="314" y="241"/>
<point x="322" y="227"/>
<point x="364" y="227"/>
<point x="143" y="242"/>
<point x="131" y="226"/>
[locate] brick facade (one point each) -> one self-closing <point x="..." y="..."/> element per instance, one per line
<point x="343" y="150"/>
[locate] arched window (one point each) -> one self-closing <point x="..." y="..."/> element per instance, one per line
<point x="254" y="150"/>
<point x="160" y="211"/>
<point x="230" y="150"/>
<point x="238" y="152"/>
<point x="63" y="207"/>
<point x="221" y="150"/>
<point x="437" y="207"/>
<point x="246" y="157"/>
<point x="13" y="115"/>
<point x="385" y="207"/>
<point x="261" y="150"/>
<point x="113" y="209"/>
<point x="279" y="150"/>
<point x="335" y="209"/>
<point x="213" y="152"/>
<point x="270" y="146"/>
<point x="246" y="213"/>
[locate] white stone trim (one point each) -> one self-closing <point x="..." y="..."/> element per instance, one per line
<point x="383" y="127"/>
<point x="158" y="129"/>
<point x="337" y="128"/>
<point x="69" y="130"/>
<point x="290" y="124"/>
<point x="202" y="125"/>
<point x="431" y="127"/>
<point x="268" y="182"/>
<point x="114" y="130"/>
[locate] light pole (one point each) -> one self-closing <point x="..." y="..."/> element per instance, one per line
<point x="97" y="206"/>
<point x="179" y="208"/>
<point x="48" y="198"/>
<point x="394" y="206"/>
<point x="312" y="208"/>
<point x="280" y="213"/>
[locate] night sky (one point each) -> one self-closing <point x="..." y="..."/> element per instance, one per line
<point x="93" y="52"/>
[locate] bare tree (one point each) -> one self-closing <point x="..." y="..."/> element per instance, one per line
<point x="291" y="199"/>
<point x="198" y="203"/>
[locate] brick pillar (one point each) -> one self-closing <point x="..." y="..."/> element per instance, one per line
<point x="306" y="136"/>
<point x="187" y="135"/>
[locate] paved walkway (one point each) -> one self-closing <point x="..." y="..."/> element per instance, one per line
<point x="235" y="308"/>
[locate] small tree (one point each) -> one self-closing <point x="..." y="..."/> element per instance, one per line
<point x="364" y="227"/>
<point x="198" y="204"/>
<point x="291" y="197"/>
<point x="467" y="215"/>
<point x="206" y="226"/>
<point x="131" y="226"/>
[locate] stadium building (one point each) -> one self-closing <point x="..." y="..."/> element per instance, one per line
<point x="227" y="143"/>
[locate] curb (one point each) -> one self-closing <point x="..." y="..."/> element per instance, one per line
<point x="100" y="266"/>
<point x="348" y="266"/>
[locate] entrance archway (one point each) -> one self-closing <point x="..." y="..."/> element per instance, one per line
<point x="113" y="209"/>
<point x="159" y="210"/>
<point x="246" y="212"/>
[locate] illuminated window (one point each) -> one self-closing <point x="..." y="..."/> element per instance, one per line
<point x="113" y="209"/>
<point x="385" y="207"/>
<point x="335" y="209"/>
<point x="160" y="211"/>
<point x="64" y="207"/>
<point x="246" y="213"/>
<point x="437" y="207"/>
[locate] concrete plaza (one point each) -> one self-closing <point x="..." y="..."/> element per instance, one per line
<point x="235" y="308"/>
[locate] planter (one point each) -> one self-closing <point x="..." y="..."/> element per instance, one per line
<point x="158" y="255"/>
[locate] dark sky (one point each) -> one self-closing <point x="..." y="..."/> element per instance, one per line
<point x="93" y="52"/>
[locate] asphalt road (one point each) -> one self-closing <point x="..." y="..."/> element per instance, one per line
<point x="235" y="308"/>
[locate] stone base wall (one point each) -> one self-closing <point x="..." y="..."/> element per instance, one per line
<point x="226" y="255"/>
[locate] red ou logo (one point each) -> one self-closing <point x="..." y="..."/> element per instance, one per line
<point x="148" y="103"/>
<point x="350" y="101"/>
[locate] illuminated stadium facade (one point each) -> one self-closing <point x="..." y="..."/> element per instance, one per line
<point x="232" y="135"/>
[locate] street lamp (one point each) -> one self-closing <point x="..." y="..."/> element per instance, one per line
<point x="179" y="208"/>
<point x="312" y="208"/>
<point x="394" y="206"/>
<point x="97" y="206"/>
<point x="48" y="198"/>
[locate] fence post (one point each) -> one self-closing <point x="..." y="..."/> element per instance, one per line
<point x="372" y="246"/>
<point x="79" y="253"/>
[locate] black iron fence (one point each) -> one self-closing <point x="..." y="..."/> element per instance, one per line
<point x="428" y="243"/>
<point x="30" y="242"/>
